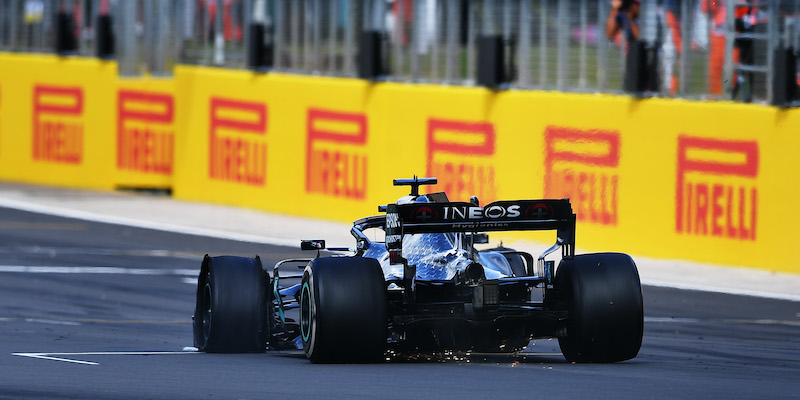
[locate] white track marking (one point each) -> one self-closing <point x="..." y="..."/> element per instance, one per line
<point x="48" y="269"/>
<point x="52" y="322"/>
<point x="42" y="356"/>
<point x="673" y="320"/>
<point x="138" y="223"/>
<point x="100" y="251"/>
<point x="723" y="321"/>
<point x="51" y="356"/>
<point x="726" y="290"/>
<point x="764" y="322"/>
<point x="81" y="321"/>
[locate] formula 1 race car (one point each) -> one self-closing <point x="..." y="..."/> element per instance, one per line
<point x="427" y="288"/>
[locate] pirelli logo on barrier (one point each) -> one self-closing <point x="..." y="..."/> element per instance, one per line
<point x="145" y="134"/>
<point x="716" y="193"/>
<point x="336" y="154"/>
<point x="582" y="165"/>
<point x="460" y="154"/>
<point x="57" y="124"/>
<point x="238" y="146"/>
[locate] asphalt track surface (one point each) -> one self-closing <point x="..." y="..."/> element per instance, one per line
<point x="92" y="310"/>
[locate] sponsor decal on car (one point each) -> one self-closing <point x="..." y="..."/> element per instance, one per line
<point x="499" y="210"/>
<point x="394" y="234"/>
<point x="491" y="212"/>
<point x="145" y="135"/>
<point x="336" y="154"/>
<point x="582" y="165"/>
<point x="460" y="154"/>
<point x="57" y="124"/>
<point x="715" y="191"/>
<point x="425" y="213"/>
<point x="539" y="211"/>
<point x="238" y="147"/>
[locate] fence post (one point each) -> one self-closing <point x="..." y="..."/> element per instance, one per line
<point x="278" y="22"/>
<point x="333" y="43"/>
<point x="219" y="35"/>
<point x="562" y="41"/>
<point x="66" y="42"/>
<point x="259" y="51"/>
<point x="472" y="23"/>
<point x="128" y="52"/>
<point x="373" y="61"/>
<point x="104" y="32"/>
<point x="602" y="46"/>
<point x="524" y="72"/>
<point x="543" y="18"/>
<point x="687" y="15"/>
<point x="728" y="64"/>
<point x="349" y="24"/>
<point x="583" y="16"/>
<point x="772" y="48"/>
<point x="452" y="12"/>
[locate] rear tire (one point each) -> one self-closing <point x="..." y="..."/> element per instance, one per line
<point x="343" y="310"/>
<point x="603" y="296"/>
<point x="233" y="299"/>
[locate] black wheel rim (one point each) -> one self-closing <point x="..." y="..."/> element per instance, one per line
<point x="305" y="312"/>
<point x="206" y="311"/>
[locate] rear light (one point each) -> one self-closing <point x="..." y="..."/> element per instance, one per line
<point x="396" y="256"/>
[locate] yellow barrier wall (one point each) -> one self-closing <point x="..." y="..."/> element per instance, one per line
<point x="57" y="121"/>
<point x="665" y="178"/>
<point x="73" y="122"/>
<point x="145" y="132"/>
<point x="245" y="142"/>
<point x="318" y="147"/>
<point x="708" y="182"/>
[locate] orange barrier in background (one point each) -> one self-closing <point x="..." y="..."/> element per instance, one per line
<point x="701" y="181"/>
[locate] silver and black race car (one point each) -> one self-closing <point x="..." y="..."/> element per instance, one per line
<point x="427" y="288"/>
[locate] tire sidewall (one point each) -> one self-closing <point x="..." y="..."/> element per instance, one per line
<point x="239" y="300"/>
<point x="602" y="295"/>
<point x="343" y="310"/>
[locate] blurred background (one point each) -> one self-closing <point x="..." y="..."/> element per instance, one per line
<point x="697" y="49"/>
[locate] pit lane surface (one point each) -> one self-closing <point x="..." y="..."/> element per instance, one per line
<point x="91" y="310"/>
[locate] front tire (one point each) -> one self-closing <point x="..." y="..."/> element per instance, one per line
<point x="233" y="299"/>
<point x="603" y="297"/>
<point x="343" y="310"/>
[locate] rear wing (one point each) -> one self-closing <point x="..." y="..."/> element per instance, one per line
<point x="519" y="215"/>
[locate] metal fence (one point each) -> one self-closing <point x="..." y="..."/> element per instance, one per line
<point x="717" y="49"/>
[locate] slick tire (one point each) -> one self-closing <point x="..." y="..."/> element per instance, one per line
<point x="603" y="297"/>
<point x="343" y="310"/>
<point x="233" y="300"/>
